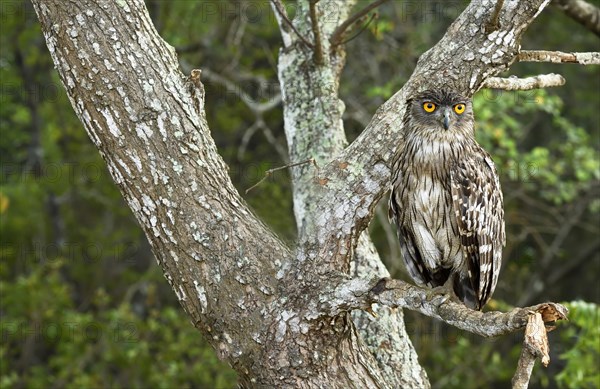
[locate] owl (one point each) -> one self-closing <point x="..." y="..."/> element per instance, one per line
<point x="446" y="200"/>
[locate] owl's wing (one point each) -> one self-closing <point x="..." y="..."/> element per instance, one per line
<point x="477" y="202"/>
<point x="415" y="263"/>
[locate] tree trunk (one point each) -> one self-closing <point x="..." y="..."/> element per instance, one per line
<point x="259" y="303"/>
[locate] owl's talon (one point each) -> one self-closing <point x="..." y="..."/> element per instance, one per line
<point x="443" y="293"/>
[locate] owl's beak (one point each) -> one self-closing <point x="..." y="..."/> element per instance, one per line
<point x="446" y="119"/>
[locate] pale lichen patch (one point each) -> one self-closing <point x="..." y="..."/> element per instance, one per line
<point x="143" y="131"/>
<point x="201" y="293"/>
<point x="113" y="128"/>
<point x="169" y="233"/>
<point x="135" y="158"/>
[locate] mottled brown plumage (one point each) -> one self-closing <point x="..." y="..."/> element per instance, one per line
<point x="446" y="200"/>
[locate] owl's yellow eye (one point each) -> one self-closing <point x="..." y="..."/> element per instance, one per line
<point x="429" y="106"/>
<point x="459" y="108"/>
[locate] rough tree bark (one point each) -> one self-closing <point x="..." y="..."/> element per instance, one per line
<point x="279" y="315"/>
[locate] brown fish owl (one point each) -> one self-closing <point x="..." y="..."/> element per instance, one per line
<point x="446" y="200"/>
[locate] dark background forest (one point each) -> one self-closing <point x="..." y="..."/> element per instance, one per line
<point x="83" y="303"/>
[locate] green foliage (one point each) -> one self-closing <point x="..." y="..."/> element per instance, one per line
<point x="560" y="169"/>
<point x="582" y="357"/>
<point x="64" y="346"/>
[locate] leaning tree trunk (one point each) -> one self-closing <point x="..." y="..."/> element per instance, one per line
<point x="276" y="314"/>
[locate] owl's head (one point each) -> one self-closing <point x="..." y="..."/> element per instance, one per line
<point x="446" y="111"/>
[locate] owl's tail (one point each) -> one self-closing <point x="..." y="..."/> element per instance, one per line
<point x="466" y="292"/>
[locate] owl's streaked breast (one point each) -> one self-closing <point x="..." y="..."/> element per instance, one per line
<point x="424" y="202"/>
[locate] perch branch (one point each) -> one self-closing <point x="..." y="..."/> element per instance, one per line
<point x="591" y="58"/>
<point x="514" y="83"/>
<point x="583" y="12"/>
<point x="338" y="34"/>
<point x="360" y="294"/>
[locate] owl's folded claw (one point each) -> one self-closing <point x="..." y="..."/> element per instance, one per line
<point x="442" y="293"/>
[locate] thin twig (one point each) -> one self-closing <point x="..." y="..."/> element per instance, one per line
<point x="279" y="7"/>
<point x="591" y="58"/>
<point x="514" y="83"/>
<point x="269" y="172"/>
<point x="318" y="49"/>
<point x="337" y="36"/>
<point x="361" y="29"/>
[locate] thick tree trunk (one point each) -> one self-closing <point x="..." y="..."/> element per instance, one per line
<point x="258" y="302"/>
<point x="314" y="129"/>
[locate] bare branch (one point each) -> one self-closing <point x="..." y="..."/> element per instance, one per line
<point x="592" y="58"/>
<point x="282" y="17"/>
<point x="364" y="27"/>
<point x="535" y="344"/>
<point x="494" y="24"/>
<point x="360" y="294"/>
<point x="582" y="12"/>
<point x="338" y="34"/>
<point x="231" y="87"/>
<point x="260" y="124"/>
<point x="314" y="20"/>
<point x="268" y="134"/>
<point x="514" y="83"/>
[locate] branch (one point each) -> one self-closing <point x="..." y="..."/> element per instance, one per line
<point x="582" y="12"/>
<point x="535" y="344"/>
<point x="253" y="105"/>
<point x="260" y="124"/>
<point x="270" y="172"/>
<point x="364" y="27"/>
<point x="360" y="294"/>
<point x="163" y="159"/>
<point x="514" y="83"/>
<point x="592" y="58"/>
<point x="338" y="34"/>
<point x="283" y="17"/>
<point x="318" y="48"/>
<point x="493" y="24"/>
